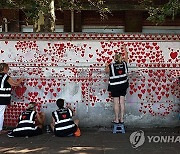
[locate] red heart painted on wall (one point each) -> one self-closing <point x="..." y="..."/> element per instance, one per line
<point x="154" y="43"/>
<point x="6" y="42"/>
<point x="90" y="55"/>
<point x="54" y="94"/>
<point x="140" y="96"/>
<point x="173" y="55"/>
<point x="20" y="91"/>
<point x="109" y="52"/>
<point x="131" y="92"/>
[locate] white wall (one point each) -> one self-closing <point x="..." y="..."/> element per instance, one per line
<point x="71" y="66"/>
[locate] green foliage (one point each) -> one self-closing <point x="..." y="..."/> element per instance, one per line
<point x="68" y="5"/>
<point x="100" y="5"/>
<point x="159" y="13"/>
<point x="6" y="3"/>
<point x="32" y="7"/>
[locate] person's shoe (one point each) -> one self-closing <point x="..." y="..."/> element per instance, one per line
<point x="3" y="131"/>
<point x="78" y="132"/>
<point x="121" y="123"/>
<point x="9" y="135"/>
<point x="115" y="122"/>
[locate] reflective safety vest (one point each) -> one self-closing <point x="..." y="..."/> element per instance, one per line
<point x="118" y="74"/>
<point x="26" y="121"/>
<point x="63" y="120"/>
<point x="5" y="89"/>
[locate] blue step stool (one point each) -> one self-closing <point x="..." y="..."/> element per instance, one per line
<point x="118" y="128"/>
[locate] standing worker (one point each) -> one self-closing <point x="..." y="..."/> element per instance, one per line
<point x="5" y="91"/>
<point x="118" y="84"/>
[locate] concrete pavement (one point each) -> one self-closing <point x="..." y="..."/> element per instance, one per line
<point x="96" y="141"/>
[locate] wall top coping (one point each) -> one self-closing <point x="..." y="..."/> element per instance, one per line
<point x="90" y="36"/>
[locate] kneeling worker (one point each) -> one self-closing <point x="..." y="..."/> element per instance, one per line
<point x="62" y="122"/>
<point x="30" y="123"/>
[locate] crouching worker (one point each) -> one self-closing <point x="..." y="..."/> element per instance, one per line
<point x="30" y="123"/>
<point x="62" y="122"/>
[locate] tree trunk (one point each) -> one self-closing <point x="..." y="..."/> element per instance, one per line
<point x="46" y="20"/>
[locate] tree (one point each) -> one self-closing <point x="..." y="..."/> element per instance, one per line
<point x="42" y="12"/>
<point x="159" y="12"/>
